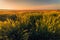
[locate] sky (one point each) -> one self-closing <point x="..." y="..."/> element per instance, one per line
<point x="29" y="4"/>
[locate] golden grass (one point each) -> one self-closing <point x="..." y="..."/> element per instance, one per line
<point x="29" y="24"/>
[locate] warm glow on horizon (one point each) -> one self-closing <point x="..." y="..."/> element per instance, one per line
<point x="26" y="6"/>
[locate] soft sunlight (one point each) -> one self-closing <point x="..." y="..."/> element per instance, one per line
<point x="4" y="4"/>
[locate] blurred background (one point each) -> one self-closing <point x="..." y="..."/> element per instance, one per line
<point x="29" y="4"/>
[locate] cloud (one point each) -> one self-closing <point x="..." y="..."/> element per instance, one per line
<point x="35" y="1"/>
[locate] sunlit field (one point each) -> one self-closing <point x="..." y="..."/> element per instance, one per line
<point x="30" y="25"/>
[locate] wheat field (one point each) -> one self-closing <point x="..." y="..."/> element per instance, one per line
<point x="30" y="25"/>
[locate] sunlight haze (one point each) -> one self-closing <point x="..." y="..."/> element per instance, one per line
<point x="29" y="4"/>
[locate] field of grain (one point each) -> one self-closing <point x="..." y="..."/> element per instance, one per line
<point x="30" y="25"/>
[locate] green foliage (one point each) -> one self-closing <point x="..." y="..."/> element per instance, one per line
<point x="30" y="26"/>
